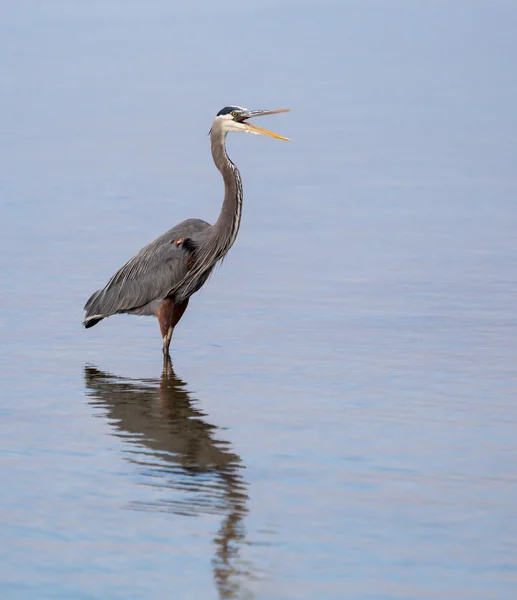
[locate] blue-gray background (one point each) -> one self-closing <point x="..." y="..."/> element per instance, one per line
<point x="343" y="422"/>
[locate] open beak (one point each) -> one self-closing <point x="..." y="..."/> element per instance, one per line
<point x="251" y="128"/>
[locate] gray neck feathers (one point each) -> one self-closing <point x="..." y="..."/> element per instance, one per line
<point x="227" y="226"/>
<point x="222" y="235"/>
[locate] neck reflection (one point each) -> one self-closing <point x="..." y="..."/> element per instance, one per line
<point x="173" y="446"/>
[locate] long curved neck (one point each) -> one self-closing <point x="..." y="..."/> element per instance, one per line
<point x="227" y="225"/>
<point x="223" y="233"/>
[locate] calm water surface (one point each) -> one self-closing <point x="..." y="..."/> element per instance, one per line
<point x="341" y="417"/>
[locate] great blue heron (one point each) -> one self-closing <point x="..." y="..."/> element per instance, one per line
<point x="160" y="279"/>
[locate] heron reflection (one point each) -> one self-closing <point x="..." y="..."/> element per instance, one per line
<point x="174" y="447"/>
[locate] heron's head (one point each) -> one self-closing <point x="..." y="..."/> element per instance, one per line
<point x="235" y="118"/>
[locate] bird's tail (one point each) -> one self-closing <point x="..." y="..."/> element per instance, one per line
<point x="91" y="321"/>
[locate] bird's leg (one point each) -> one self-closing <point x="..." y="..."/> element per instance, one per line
<point x="167" y="370"/>
<point x="169" y="315"/>
<point x="165" y="314"/>
<point x="177" y="313"/>
<point x="167" y="341"/>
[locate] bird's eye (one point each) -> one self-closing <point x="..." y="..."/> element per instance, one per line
<point x="235" y="114"/>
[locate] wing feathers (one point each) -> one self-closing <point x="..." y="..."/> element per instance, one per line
<point x="149" y="275"/>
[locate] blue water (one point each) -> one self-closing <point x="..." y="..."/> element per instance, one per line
<point x="341" y="420"/>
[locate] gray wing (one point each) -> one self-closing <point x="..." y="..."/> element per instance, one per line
<point x="147" y="278"/>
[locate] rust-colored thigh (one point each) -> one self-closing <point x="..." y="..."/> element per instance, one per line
<point x="165" y="314"/>
<point x="178" y="311"/>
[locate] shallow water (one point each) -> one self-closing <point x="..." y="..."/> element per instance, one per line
<point x="341" y="418"/>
